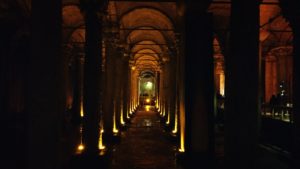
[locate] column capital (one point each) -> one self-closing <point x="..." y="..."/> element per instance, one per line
<point x="93" y="5"/>
<point x="196" y="5"/>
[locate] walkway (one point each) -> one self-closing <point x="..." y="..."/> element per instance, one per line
<point x="144" y="145"/>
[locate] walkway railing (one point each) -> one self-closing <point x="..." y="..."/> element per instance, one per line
<point x="281" y="112"/>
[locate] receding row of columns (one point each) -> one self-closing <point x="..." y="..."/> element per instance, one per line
<point x="194" y="87"/>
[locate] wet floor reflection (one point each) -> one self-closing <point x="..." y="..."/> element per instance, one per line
<point x="144" y="145"/>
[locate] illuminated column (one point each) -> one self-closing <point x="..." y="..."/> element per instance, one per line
<point x="157" y="90"/>
<point x="110" y="87"/>
<point x="199" y="85"/>
<point x="129" y="96"/>
<point x="92" y="76"/>
<point x="172" y="91"/>
<point x="177" y="71"/>
<point x="166" y="90"/>
<point x="242" y="86"/>
<point x="45" y="99"/>
<point x="181" y="85"/>
<point x="125" y="76"/>
<point x="77" y="105"/>
<point x="161" y="91"/>
<point x="118" y="91"/>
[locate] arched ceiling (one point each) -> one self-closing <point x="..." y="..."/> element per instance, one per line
<point x="148" y="44"/>
<point x="148" y="33"/>
<point x="274" y="29"/>
<point x="146" y="29"/>
<point x="78" y="35"/>
<point x="149" y="26"/>
<point x="146" y="17"/>
<point x="15" y="12"/>
<point x="72" y="19"/>
<point x="145" y="33"/>
<point x="72" y="16"/>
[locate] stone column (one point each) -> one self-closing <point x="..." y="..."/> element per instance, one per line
<point x="161" y="90"/>
<point x="157" y="89"/>
<point x="172" y="95"/>
<point x="199" y="85"/>
<point x="295" y="23"/>
<point x="242" y="86"/>
<point x="45" y="99"/>
<point x="92" y="76"/>
<point x="77" y="105"/>
<point x="125" y="91"/>
<point x="270" y="77"/>
<point x="296" y="91"/>
<point x="109" y="89"/>
<point x="118" y="82"/>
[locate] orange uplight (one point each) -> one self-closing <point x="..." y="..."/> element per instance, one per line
<point x="122" y="116"/>
<point x="147" y="108"/>
<point x="81" y="109"/>
<point x="148" y="100"/>
<point x="101" y="146"/>
<point x="115" y="130"/>
<point x="80" y="147"/>
<point x="175" y="129"/>
<point x="168" y="119"/>
<point x="182" y="128"/>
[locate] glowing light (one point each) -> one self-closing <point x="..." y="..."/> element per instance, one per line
<point x="80" y="147"/>
<point x="81" y="109"/>
<point x="181" y="150"/>
<point x="133" y="68"/>
<point x="222" y="84"/>
<point x="121" y="116"/>
<point x="115" y="130"/>
<point x="130" y="108"/>
<point x="127" y="114"/>
<point x="147" y="108"/>
<point x="182" y="128"/>
<point x="148" y="85"/>
<point x="148" y="100"/>
<point x="175" y="129"/>
<point x="168" y="118"/>
<point x="101" y="146"/>
<point x="164" y="111"/>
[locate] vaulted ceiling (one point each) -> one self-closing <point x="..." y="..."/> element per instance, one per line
<point x="147" y="29"/>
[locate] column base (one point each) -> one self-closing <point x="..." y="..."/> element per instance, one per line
<point x="123" y="127"/>
<point x="128" y="121"/>
<point x="163" y="120"/>
<point x="173" y="137"/>
<point x="195" y="160"/>
<point x="112" y="138"/>
<point x="168" y="128"/>
<point x="90" y="160"/>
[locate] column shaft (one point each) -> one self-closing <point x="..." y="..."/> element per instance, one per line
<point x="242" y="85"/>
<point x="92" y="80"/>
<point x="296" y="92"/>
<point x="199" y="85"/>
<point x="45" y="99"/>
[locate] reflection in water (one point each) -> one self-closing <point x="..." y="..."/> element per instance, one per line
<point x="80" y="147"/>
<point x="147" y="107"/>
<point x="147" y="123"/>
